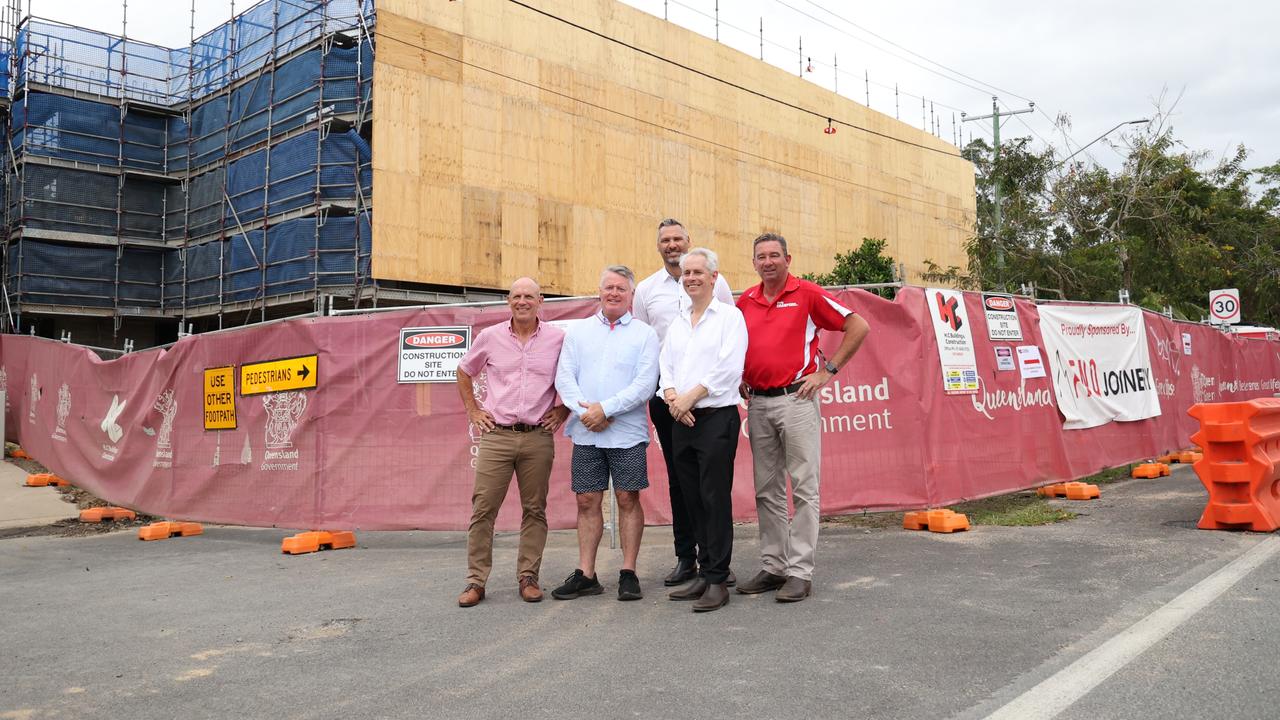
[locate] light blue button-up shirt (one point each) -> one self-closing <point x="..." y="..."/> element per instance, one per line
<point x="616" y="365"/>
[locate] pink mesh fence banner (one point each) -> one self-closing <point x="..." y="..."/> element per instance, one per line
<point x="362" y="451"/>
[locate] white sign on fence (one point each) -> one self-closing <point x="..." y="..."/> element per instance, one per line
<point x="1224" y="306"/>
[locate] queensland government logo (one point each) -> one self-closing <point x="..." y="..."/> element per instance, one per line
<point x="284" y="411"/>
<point x="63" y="410"/>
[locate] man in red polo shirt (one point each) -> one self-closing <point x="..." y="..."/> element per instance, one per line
<point x="781" y="379"/>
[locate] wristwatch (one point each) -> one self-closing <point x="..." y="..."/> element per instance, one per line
<point x="831" y="367"/>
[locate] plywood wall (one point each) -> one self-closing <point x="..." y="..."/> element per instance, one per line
<point x="508" y="142"/>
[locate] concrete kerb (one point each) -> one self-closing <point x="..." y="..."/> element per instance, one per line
<point x="22" y="507"/>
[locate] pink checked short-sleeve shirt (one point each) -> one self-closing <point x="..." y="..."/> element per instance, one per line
<point x="520" y="379"/>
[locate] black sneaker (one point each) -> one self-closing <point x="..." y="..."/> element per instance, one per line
<point x="577" y="585"/>
<point x="629" y="586"/>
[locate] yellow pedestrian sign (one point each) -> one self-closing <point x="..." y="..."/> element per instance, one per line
<point x="270" y="376"/>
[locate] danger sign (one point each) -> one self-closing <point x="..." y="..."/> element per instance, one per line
<point x="1224" y="306"/>
<point x="431" y="354"/>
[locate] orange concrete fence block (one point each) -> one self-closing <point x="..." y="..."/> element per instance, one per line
<point x="316" y="540"/>
<point x="99" y="514"/>
<point x="1150" y="470"/>
<point x="1240" y="466"/>
<point x="947" y="521"/>
<point x="166" y="530"/>
<point x="1054" y="490"/>
<point x="20" y="454"/>
<point x="1082" y="491"/>
<point x="1167" y="459"/>
<point x="45" y="479"/>
<point x="917" y="520"/>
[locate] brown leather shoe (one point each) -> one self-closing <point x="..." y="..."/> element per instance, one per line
<point x="529" y="590"/>
<point x="471" y="595"/>
<point x="794" y="590"/>
<point x="716" y="597"/>
<point x="764" y="581"/>
<point x="692" y="591"/>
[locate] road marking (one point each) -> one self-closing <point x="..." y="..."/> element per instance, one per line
<point x="1065" y="687"/>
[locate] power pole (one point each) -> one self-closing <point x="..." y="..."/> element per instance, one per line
<point x="995" y="179"/>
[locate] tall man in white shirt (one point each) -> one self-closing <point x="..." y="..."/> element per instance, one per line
<point x="701" y="363"/>
<point x="658" y="301"/>
<point x="608" y="369"/>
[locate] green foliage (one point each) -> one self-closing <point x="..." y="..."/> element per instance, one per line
<point x="1164" y="226"/>
<point x="865" y="265"/>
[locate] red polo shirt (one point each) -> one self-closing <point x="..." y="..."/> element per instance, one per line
<point x="782" y="343"/>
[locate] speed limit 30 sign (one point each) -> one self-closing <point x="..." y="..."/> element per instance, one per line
<point x="1224" y="306"/>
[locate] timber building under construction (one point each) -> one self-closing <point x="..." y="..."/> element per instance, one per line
<point x="151" y="189"/>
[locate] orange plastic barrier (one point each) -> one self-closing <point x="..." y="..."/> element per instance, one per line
<point x="45" y="479"/>
<point x="1082" y="491"/>
<point x="20" y="454"/>
<point x="1189" y="457"/>
<point x="1167" y="459"/>
<point x="1241" y="464"/>
<point x="166" y="530"/>
<point x="309" y="542"/>
<point x="98" y="514"/>
<point x="1054" y="490"/>
<point x="939" y="521"/>
<point x="1150" y="470"/>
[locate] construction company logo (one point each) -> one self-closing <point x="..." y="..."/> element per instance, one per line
<point x="988" y="401"/>
<point x="64" y="409"/>
<point x="35" y="398"/>
<point x="1204" y="388"/>
<point x="111" y="427"/>
<point x="167" y="406"/>
<point x="284" y="411"/>
<point x="948" y="310"/>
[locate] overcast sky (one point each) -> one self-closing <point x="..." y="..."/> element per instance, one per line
<point x="1101" y="63"/>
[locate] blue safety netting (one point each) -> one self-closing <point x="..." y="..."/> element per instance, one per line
<point x="85" y="131"/>
<point x="80" y="201"/>
<point x="294" y="256"/>
<point x="49" y="273"/>
<point x="303" y="170"/>
<point x="86" y="60"/>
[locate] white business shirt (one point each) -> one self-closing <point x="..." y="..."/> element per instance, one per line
<point x="660" y="297"/>
<point x="709" y="354"/>
<point x="616" y="365"/>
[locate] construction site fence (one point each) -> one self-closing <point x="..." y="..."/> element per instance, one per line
<point x="361" y="450"/>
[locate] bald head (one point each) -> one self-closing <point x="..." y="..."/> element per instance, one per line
<point x="525" y="300"/>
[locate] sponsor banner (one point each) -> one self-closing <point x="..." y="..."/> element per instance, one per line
<point x="431" y="354"/>
<point x="1101" y="364"/>
<point x="1002" y="317"/>
<point x="892" y="439"/>
<point x="954" y="338"/>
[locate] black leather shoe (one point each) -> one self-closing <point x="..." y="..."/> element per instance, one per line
<point x="764" y="581"/>
<point x="692" y="591"/>
<point x="731" y="580"/>
<point x="716" y="597"/>
<point x="683" y="572"/>
<point x="794" y="590"/>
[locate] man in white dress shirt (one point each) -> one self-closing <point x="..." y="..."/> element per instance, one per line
<point x="701" y="368"/>
<point x="658" y="300"/>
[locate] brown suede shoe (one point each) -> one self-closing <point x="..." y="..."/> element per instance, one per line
<point x="716" y="597"/>
<point x="529" y="590"/>
<point x="794" y="590"/>
<point x="764" y="581"/>
<point x="471" y="595"/>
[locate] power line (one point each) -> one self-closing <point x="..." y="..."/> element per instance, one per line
<point x="786" y="48"/>
<point x="730" y="83"/>
<point x="912" y="52"/>
<point x="985" y="90"/>
<point x="665" y="128"/>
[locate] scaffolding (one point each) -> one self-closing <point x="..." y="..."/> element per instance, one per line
<point x="224" y="177"/>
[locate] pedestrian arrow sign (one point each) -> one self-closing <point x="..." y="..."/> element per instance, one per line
<point x="271" y="376"/>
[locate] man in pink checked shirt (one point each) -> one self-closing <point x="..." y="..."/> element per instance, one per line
<point x="519" y="417"/>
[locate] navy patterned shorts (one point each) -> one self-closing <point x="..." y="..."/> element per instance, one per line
<point x="593" y="465"/>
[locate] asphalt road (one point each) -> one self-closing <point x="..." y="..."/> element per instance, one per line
<point x="903" y="625"/>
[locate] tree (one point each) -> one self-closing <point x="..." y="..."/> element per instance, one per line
<point x="865" y="265"/>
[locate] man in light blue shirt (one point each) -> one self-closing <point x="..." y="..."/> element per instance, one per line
<point x="607" y="371"/>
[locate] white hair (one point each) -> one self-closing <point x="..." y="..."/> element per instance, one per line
<point x="622" y="270"/>
<point x="713" y="261"/>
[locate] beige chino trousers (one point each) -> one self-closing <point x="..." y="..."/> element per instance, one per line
<point x="502" y="453"/>
<point x="786" y="439"/>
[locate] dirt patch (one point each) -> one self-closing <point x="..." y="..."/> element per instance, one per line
<point x="82" y="499"/>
